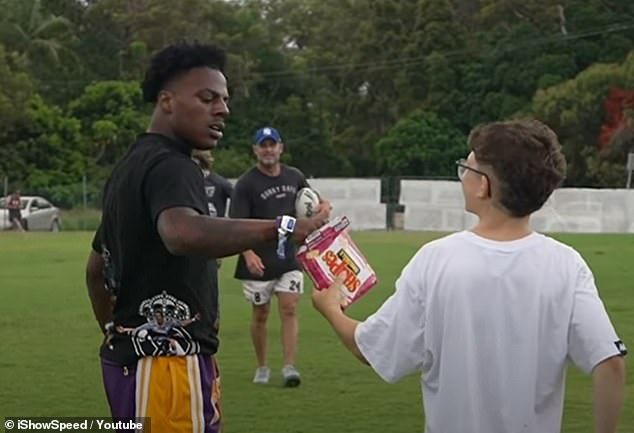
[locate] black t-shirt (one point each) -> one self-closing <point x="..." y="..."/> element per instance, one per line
<point x="166" y="305"/>
<point x="218" y="191"/>
<point x="257" y="195"/>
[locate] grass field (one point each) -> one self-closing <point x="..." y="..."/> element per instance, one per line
<point x="49" y="364"/>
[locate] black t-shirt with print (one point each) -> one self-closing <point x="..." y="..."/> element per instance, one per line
<point x="257" y="195"/>
<point x="218" y="191"/>
<point x="166" y="305"/>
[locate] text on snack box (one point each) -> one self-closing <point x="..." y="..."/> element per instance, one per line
<point x="342" y="262"/>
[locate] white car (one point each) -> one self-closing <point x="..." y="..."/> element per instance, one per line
<point x="37" y="214"/>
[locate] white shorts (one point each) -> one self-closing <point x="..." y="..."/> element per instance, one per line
<point x="260" y="292"/>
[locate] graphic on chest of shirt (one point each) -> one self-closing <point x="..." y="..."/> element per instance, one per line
<point x="164" y="334"/>
<point x="210" y="190"/>
<point x="279" y="191"/>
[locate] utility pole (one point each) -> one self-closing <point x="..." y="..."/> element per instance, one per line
<point x="630" y="169"/>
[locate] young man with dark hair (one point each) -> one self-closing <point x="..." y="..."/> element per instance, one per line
<point x="491" y="316"/>
<point x="267" y="191"/>
<point x="153" y="247"/>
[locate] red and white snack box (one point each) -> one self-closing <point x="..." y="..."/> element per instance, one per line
<point x="331" y="251"/>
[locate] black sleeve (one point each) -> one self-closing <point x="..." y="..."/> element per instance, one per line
<point x="97" y="243"/>
<point x="240" y="200"/>
<point x="174" y="182"/>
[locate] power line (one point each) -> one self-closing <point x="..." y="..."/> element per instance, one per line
<point x="410" y="61"/>
<point x="415" y="60"/>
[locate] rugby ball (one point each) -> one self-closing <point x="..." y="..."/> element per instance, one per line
<point x="306" y="203"/>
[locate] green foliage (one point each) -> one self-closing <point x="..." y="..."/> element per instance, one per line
<point x="47" y="43"/>
<point x="421" y="144"/>
<point x="15" y="93"/>
<point x="41" y="37"/>
<point x="335" y="78"/>
<point x="231" y="163"/>
<point x="112" y="115"/>
<point x="575" y="110"/>
<point x="49" y="143"/>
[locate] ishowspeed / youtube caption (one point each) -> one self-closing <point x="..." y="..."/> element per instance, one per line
<point x="75" y="424"/>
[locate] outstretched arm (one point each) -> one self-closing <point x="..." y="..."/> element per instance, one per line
<point x="184" y="231"/>
<point x="392" y="339"/>
<point x="173" y="191"/>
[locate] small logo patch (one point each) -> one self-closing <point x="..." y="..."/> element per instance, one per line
<point x="620" y="346"/>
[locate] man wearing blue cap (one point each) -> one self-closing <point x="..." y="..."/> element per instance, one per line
<point x="268" y="190"/>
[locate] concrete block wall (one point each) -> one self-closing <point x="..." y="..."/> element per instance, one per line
<point x="439" y="206"/>
<point x="358" y="199"/>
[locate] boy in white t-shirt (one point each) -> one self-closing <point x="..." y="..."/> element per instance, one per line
<point x="491" y="316"/>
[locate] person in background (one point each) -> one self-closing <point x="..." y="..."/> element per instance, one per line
<point x="217" y="189"/>
<point x="268" y="190"/>
<point x="14" y="205"/>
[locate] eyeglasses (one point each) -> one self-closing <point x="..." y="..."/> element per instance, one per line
<point x="462" y="168"/>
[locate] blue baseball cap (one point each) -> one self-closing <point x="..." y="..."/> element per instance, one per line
<point x="267" y="133"/>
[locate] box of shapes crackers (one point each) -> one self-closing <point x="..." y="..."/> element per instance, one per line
<point x="331" y="251"/>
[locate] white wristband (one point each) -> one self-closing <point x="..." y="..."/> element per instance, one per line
<point x="285" y="226"/>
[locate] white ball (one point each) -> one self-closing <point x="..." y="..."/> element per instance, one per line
<point x="306" y="203"/>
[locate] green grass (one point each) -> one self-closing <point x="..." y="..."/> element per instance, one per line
<point x="80" y="219"/>
<point x="49" y="364"/>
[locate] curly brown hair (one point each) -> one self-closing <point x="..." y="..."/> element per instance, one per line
<point x="525" y="159"/>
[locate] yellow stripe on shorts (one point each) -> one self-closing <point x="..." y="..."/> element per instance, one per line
<point x="170" y="394"/>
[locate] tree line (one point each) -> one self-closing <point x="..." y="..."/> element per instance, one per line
<point x="357" y="87"/>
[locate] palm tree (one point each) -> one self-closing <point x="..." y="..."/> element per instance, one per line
<point x="37" y="35"/>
